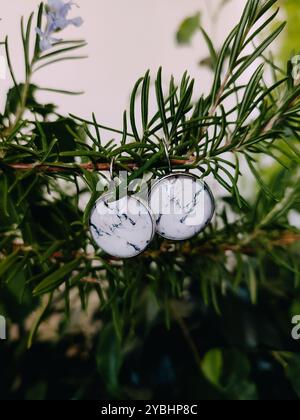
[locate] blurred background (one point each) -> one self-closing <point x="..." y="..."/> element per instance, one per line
<point x="125" y="38"/>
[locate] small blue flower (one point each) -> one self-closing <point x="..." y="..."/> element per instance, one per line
<point x="57" y="13"/>
<point x="46" y="41"/>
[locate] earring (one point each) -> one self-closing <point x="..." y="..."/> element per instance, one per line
<point x="122" y="228"/>
<point x="182" y="203"/>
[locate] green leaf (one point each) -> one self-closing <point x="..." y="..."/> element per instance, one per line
<point x="132" y="109"/>
<point x="236" y="377"/>
<point x="161" y="103"/>
<point x="59" y="60"/>
<point x="183" y="106"/>
<point x="125" y="129"/>
<point x="113" y="130"/>
<point x="62" y="51"/>
<point x="240" y="33"/>
<point x="8" y="262"/>
<point x="145" y="100"/>
<point x="256" y="53"/>
<point x="148" y="165"/>
<point x="259" y="179"/>
<point x="264" y="7"/>
<point x="188" y="28"/>
<point x="13" y="101"/>
<point x="46" y="132"/>
<point x="219" y="66"/>
<point x="57" y="278"/>
<point x="97" y="131"/>
<point x="212" y="51"/>
<point x="27" y="191"/>
<point x="250" y="93"/>
<point x="259" y="30"/>
<point x="212" y="366"/>
<point x="40" y="317"/>
<point x="91" y="203"/>
<point x="38" y="25"/>
<point x="109" y="359"/>
<point x="5" y="195"/>
<point x="252" y="283"/>
<point x="27" y="45"/>
<point x="293" y="372"/>
<point x="60" y="91"/>
<point x="50" y="251"/>
<point x="11" y="70"/>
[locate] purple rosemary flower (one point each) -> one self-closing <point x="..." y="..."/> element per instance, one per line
<point x="57" y="20"/>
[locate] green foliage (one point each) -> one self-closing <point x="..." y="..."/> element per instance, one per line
<point x="293" y="370"/>
<point x="109" y="359"/>
<point x="290" y="43"/>
<point x="188" y="28"/>
<point x="245" y="263"/>
<point x="212" y="366"/>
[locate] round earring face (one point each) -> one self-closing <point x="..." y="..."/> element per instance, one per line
<point x="122" y="228"/>
<point x="183" y="206"/>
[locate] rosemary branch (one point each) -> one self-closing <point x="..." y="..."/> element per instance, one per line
<point x="288" y="238"/>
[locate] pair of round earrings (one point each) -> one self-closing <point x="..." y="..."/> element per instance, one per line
<point x="180" y="205"/>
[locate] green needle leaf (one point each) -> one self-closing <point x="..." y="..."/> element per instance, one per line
<point x="57" y="278"/>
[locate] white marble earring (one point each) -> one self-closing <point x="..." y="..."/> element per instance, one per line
<point x="182" y="203"/>
<point x="122" y="228"/>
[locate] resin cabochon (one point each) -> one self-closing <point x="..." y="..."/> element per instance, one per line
<point x="183" y="206"/>
<point x="124" y="228"/>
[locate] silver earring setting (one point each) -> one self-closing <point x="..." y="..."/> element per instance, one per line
<point x="183" y="206"/>
<point x="122" y="228"/>
<point x="182" y="203"/>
